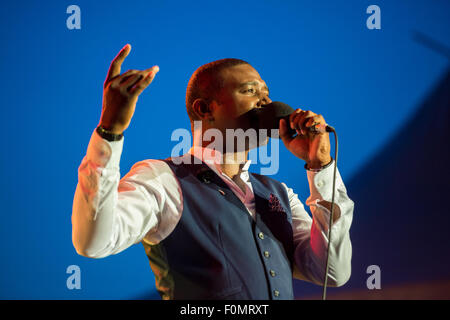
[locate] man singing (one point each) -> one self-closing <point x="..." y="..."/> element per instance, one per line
<point x="210" y="228"/>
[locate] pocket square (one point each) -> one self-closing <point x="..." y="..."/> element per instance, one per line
<point x="274" y="204"/>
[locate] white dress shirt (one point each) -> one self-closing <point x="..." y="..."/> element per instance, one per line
<point x="111" y="214"/>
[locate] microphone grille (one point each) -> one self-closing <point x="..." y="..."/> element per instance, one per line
<point x="272" y="113"/>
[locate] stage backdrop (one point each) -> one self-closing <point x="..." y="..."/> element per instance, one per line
<point x="386" y="91"/>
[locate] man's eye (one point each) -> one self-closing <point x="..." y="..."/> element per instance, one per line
<point x="249" y="90"/>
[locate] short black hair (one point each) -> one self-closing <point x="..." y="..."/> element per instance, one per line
<point x="205" y="83"/>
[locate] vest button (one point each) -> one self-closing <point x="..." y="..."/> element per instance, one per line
<point x="272" y="273"/>
<point x="276" y="293"/>
<point x="261" y="235"/>
<point x="266" y="254"/>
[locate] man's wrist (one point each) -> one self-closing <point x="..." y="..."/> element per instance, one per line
<point x="108" y="135"/>
<point x="317" y="166"/>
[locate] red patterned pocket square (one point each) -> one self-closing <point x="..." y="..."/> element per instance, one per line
<point x="274" y="204"/>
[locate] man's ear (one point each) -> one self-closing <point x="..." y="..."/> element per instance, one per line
<point x="202" y="109"/>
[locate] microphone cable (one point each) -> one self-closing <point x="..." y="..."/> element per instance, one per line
<point x="330" y="224"/>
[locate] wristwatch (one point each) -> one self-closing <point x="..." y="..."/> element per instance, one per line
<point x="108" y="135"/>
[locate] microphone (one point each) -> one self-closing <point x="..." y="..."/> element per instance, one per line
<point x="269" y="115"/>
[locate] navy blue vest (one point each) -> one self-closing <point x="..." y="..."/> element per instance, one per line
<point x="217" y="251"/>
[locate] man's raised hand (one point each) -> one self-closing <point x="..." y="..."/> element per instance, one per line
<point x="121" y="92"/>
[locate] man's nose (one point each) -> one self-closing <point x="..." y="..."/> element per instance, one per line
<point x="264" y="99"/>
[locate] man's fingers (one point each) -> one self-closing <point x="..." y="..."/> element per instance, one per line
<point x="298" y="122"/>
<point x="125" y="76"/>
<point x="148" y="76"/>
<point x="131" y="81"/>
<point x="283" y="131"/>
<point x="314" y="120"/>
<point x="293" y="115"/>
<point x="114" y="68"/>
<point x="119" y="80"/>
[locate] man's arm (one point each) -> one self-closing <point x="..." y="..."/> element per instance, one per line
<point x="311" y="235"/>
<point x="110" y="215"/>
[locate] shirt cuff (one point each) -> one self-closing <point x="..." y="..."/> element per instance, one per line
<point x="104" y="153"/>
<point x="321" y="182"/>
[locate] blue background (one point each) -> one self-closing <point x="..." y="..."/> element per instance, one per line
<point x="313" y="55"/>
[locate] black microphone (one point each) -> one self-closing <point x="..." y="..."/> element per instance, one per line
<point x="269" y="115"/>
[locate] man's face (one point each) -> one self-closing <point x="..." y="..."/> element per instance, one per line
<point x="243" y="90"/>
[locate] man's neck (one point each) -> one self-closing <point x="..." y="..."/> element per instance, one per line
<point x="232" y="169"/>
<point x="230" y="163"/>
<point x="233" y="162"/>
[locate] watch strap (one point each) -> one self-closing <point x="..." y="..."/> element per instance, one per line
<point x="108" y="135"/>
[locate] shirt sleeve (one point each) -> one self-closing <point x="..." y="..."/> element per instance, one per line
<point x="311" y="233"/>
<point x="110" y="214"/>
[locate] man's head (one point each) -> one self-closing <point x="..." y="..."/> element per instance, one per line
<point x="221" y="91"/>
